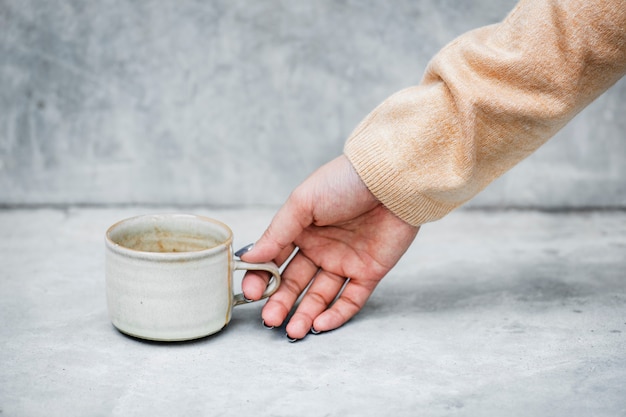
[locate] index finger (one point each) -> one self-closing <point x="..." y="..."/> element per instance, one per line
<point x="290" y="220"/>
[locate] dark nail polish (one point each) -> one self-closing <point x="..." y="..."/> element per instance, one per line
<point x="247" y="300"/>
<point x="313" y="331"/>
<point x="291" y="339"/>
<point x="244" y="250"/>
<point x="266" y="326"/>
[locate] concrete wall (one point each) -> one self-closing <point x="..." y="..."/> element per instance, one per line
<point x="224" y="103"/>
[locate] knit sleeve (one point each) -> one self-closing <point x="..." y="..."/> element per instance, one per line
<point x="488" y="100"/>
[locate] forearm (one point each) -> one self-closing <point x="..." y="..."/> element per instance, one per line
<point x="488" y="100"/>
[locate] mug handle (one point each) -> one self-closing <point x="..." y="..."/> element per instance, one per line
<point x="271" y="287"/>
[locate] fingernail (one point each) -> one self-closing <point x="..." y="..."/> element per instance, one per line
<point x="266" y="326"/>
<point x="291" y="339"/>
<point x="247" y="300"/>
<point x="244" y="250"/>
<point x="313" y="331"/>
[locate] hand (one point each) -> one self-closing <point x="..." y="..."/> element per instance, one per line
<point x="342" y="233"/>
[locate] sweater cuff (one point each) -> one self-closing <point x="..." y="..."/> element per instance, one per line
<point x="386" y="182"/>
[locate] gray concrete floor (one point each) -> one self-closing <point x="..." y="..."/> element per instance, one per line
<point x="488" y="314"/>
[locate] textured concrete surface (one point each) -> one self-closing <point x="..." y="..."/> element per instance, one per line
<point x="488" y="314"/>
<point x="226" y="103"/>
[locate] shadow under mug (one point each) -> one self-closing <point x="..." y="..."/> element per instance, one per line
<point x="169" y="277"/>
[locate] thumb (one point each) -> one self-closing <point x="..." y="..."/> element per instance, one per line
<point x="277" y="242"/>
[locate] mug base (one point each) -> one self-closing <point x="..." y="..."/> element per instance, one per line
<point x="164" y="338"/>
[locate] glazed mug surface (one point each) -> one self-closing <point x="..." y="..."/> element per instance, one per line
<point x="169" y="277"/>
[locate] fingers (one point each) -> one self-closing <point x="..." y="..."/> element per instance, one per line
<point x="276" y="245"/>
<point x="293" y="217"/>
<point x="314" y="313"/>
<point x="295" y="278"/>
<point x="349" y="303"/>
<point x="318" y="297"/>
<point x="255" y="282"/>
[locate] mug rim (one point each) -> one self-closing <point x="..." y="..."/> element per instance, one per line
<point x="167" y="256"/>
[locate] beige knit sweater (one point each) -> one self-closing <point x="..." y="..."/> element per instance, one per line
<point x="488" y="99"/>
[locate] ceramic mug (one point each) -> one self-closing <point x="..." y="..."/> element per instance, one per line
<point x="170" y="277"/>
